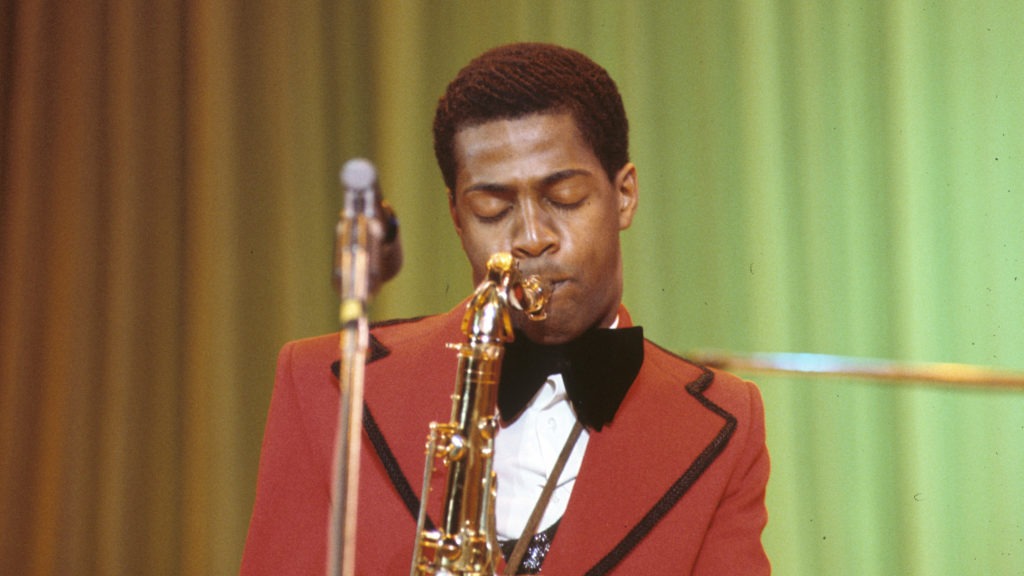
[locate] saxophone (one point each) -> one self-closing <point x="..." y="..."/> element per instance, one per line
<point x="465" y="543"/>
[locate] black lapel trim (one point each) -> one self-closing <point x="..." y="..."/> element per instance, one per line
<point x="387" y="457"/>
<point x="681" y="486"/>
<point x="376" y="352"/>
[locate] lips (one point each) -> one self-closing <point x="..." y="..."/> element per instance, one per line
<point x="551" y="277"/>
<point x="551" y="287"/>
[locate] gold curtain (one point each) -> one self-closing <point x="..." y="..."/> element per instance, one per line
<point x="841" y="179"/>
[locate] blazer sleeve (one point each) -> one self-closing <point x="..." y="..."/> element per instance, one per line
<point x="732" y="544"/>
<point x="287" y="531"/>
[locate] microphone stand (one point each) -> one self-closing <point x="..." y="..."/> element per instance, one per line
<point x="358" y="235"/>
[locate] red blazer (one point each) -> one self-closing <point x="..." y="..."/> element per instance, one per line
<point x="674" y="485"/>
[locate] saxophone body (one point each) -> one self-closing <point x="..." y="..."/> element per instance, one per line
<point x="464" y="543"/>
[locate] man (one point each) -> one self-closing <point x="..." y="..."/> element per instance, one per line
<point x="668" y="475"/>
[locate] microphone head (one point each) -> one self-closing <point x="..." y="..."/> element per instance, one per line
<point x="363" y="200"/>
<point x="358" y="174"/>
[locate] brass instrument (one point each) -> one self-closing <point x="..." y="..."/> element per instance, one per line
<point x="465" y="543"/>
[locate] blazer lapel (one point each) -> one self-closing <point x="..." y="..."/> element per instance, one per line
<point x="624" y="487"/>
<point x="398" y="414"/>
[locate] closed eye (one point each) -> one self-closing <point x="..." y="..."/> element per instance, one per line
<point x="566" y="205"/>
<point x="567" y="190"/>
<point x="492" y="218"/>
<point x="489" y="203"/>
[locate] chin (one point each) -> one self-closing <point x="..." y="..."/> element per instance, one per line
<point x="544" y="332"/>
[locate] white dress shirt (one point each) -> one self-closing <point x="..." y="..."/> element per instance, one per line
<point x="525" y="452"/>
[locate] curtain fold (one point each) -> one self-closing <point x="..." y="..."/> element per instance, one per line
<point x="842" y="179"/>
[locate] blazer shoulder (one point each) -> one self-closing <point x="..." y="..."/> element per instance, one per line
<point x="415" y="335"/>
<point x="733" y="393"/>
<point x="318" y="352"/>
<point x="307" y="355"/>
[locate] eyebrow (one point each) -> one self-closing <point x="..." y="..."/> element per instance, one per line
<point x="546" y="182"/>
<point x="492" y="187"/>
<point x="563" y="175"/>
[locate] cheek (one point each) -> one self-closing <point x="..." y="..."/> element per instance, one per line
<point x="596" y="238"/>
<point x="598" y="258"/>
<point x="477" y="244"/>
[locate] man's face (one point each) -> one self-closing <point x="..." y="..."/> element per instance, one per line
<point x="532" y="186"/>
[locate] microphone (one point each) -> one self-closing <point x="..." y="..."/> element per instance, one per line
<point x="363" y="200"/>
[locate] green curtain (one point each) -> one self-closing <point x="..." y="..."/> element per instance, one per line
<point x="841" y="178"/>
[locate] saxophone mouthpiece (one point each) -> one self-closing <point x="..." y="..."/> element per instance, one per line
<point x="531" y="295"/>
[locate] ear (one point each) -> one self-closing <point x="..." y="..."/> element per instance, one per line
<point x="453" y="213"/>
<point x="628" y="191"/>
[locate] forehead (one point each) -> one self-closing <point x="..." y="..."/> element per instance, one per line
<point x="519" y="148"/>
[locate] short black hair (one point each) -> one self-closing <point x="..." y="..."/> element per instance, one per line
<point x="520" y="79"/>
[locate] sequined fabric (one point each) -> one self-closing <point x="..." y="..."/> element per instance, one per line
<point x="535" y="552"/>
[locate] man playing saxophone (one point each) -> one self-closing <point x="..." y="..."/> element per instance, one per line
<point x="661" y="464"/>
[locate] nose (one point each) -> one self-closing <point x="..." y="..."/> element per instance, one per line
<point x="534" y="233"/>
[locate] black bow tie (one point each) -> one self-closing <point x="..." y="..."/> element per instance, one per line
<point x="598" y="368"/>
